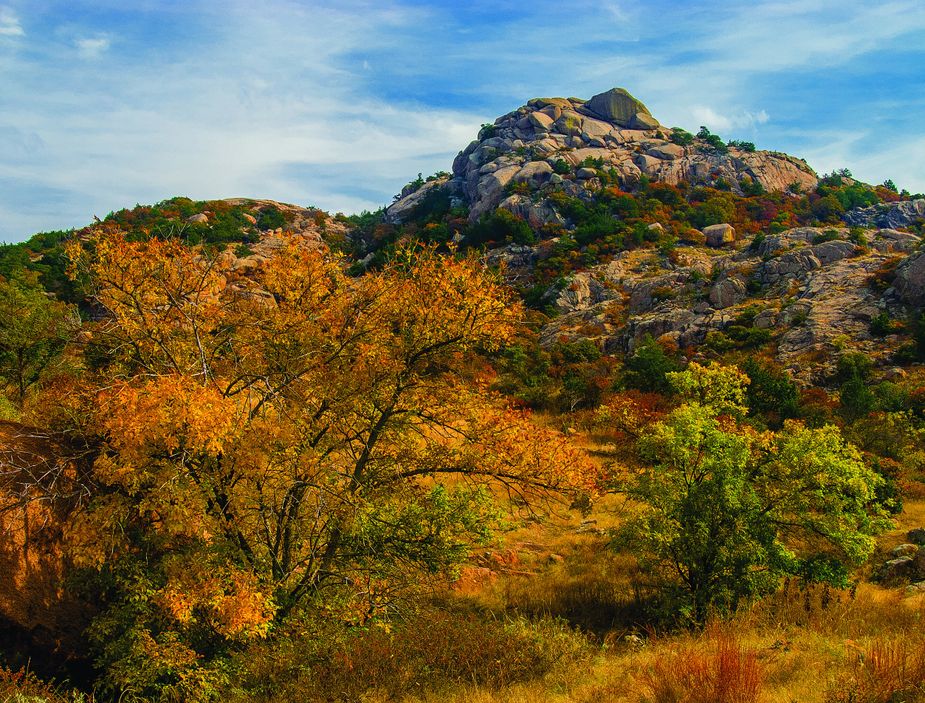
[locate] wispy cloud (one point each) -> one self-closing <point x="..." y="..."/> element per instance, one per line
<point x="92" y="48"/>
<point x="742" y="120"/>
<point x="9" y="24"/>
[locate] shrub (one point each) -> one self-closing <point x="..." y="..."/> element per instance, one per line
<point x="499" y="226"/>
<point x="646" y="368"/>
<point x="714" y="140"/>
<point x="882" y="325"/>
<point x="744" y="146"/>
<point x="826" y="236"/>
<point x="681" y="137"/>
<point x="771" y="392"/>
<point x="270" y="217"/>
<point x="429" y="651"/>
<point x="562" y="167"/>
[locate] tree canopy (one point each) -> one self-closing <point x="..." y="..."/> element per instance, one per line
<point x="294" y="442"/>
<point x="725" y="511"/>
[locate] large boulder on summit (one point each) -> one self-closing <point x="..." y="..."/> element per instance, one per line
<point x="621" y="108"/>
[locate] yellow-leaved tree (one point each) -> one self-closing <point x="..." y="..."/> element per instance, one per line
<point x="290" y="441"/>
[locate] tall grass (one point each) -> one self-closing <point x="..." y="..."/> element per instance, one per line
<point x="433" y="650"/>
<point x="886" y="671"/>
<point x="727" y="674"/>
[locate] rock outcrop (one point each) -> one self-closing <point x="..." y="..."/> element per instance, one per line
<point x="565" y="143"/>
<point x="888" y="215"/>
<point x="910" y="280"/>
<point x="807" y="296"/>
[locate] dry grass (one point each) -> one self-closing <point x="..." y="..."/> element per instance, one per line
<point x="725" y="673"/>
<point x="886" y="671"/>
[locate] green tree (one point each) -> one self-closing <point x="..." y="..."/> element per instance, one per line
<point x="499" y="226"/>
<point x="646" y="369"/>
<point x="33" y="332"/>
<point x="727" y="512"/>
<point x="771" y="392"/>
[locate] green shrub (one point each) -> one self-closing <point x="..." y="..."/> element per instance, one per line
<point x="771" y="392"/>
<point x="500" y="226"/>
<point x="270" y="217"/>
<point x="562" y="167"/>
<point x="681" y="137"/>
<point x="882" y="325"/>
<point x="713" y="140"/>
<point x="826" y="236"/>
<point x="646" y="368"/>
<point x="744" y="146"/>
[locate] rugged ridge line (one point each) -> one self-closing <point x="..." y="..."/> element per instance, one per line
<point x="526" y="147"/>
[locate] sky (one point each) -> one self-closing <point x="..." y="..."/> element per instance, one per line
<point x="110" y="103"/>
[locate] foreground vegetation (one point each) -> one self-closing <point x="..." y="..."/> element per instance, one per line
<point x="299" y="481"/>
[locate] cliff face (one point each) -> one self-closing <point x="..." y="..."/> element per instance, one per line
<point x="543" y="144"/>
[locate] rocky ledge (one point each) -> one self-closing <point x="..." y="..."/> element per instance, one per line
<point x="565" y="143"/>
<point x="806" y="290"/>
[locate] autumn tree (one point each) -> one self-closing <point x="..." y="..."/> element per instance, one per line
<point x="285" y="444"/>
<point x="726" y="511"/>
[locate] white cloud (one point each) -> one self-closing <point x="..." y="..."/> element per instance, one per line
<point x="9" y="24"/>
<point x="91" y="48"/>
<point x="902" y="161"/>
<point x="742" y="120"/>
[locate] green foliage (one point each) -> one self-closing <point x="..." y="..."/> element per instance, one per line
<point x="855" y="396"/>
<point x="648" y="367"/>
<point x="270" y="217"/>
<point x="853" y="365"/>
<point x="562" y="167"/>
<point x="713" y="140"/>
<point x="33" y="333"/>
<point x="500" y="226"/>
<point x="713" y="211"/>
<point x="882" y="325"/>
<point x="828" y="208"/>
<point x="771" y="392"/>
<point x="681" y="137"/>
<point x="744" y="146"/>
<point x="727" y="513"/>
<point x="828" y="235"/>
<point x="857" y="236"/>
<point x="751" y="187"/>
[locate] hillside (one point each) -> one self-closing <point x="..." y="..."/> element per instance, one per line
<point x="621" y="228"/>
<point x="609" y="411"/>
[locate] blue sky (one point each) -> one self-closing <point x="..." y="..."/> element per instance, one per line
<point x="115" y="102"/>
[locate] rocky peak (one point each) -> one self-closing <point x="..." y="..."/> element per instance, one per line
<point x="568" y="144"/>
<point x="618" y="107"/>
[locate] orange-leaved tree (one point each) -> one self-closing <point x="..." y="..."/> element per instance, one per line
<point x="289" y="441"/>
